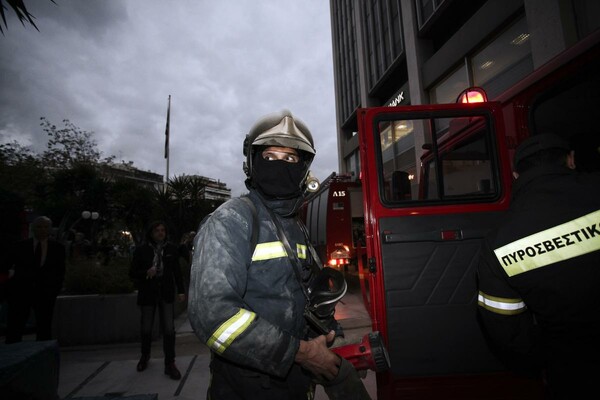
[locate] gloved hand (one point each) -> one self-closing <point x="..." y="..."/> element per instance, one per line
<point x="347" y="385"/>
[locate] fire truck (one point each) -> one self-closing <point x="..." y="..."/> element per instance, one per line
<point x="335" y="217"/>
<point x="435" y="180"/>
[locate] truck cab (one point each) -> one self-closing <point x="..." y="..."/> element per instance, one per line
<point x="435" y="180"/>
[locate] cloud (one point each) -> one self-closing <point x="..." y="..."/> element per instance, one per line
<point x="110" y="65"/>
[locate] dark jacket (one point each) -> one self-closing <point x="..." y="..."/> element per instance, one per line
<point x="150" y="290"/>
<point x="248" y="306"/>
<point x="28" y="278"/>
<point x="539" y="278"/>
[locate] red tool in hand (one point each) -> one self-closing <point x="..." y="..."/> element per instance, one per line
<point x="324" y="292"/>
<point x="370" y="353"/>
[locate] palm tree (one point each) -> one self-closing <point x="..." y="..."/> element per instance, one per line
<point x="19" y="8"/>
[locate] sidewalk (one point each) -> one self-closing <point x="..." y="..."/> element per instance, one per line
<point x="109" y="371"/>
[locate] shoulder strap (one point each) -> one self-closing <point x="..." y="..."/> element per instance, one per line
<point x="311" y="248"/>
<point x="254" y="240"/>
<point x="296" y="264"/>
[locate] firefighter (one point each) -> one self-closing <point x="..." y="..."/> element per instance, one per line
<point x="539" y="274"/>
<point x="247" y="299"/>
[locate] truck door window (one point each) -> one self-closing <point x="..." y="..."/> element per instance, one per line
<point x="433" y="160"/>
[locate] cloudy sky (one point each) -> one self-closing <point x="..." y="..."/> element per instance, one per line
<point x="109" y="66"/>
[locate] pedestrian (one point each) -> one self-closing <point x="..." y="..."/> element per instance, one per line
<point x="539" y="272"/>
<point x="250" y="269"/>
<point x="186" y="245"/>
<point x="36" y="274"/>
<point x="155" y="271"/>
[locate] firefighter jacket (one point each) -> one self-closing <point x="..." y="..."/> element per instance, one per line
<point x="539" y="275"/>
<point x="247" y="305"/>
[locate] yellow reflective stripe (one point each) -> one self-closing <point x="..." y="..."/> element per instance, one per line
<point x="562" y="242"/>
<point x="269" y="250"/>
<point x="301" y="250"/>
<point x="501" y="305"/>
<point x="230" y="330"/>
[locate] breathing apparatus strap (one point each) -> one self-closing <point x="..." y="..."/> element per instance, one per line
<point x="313" y="252"/>
<point x="297" y="267"/>
<point x="296" y="264"/>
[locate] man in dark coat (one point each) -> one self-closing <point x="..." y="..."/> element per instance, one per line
<point x="155" y="270"/>
<point x="540" y="272"/>
<point x="36" y="271"/>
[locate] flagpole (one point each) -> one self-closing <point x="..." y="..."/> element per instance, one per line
<point x="167" y="141"/>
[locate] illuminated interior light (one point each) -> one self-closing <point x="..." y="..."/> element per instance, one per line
<point x="520" y="39"/>
<point x="486" y="64"/>
<point x="411" y="177"/>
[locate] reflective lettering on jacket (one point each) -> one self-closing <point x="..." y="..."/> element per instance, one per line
<point x="562" y="242"/>
<point x="500" y="305"/>
<point x="230" y="329"/>
<point x="270" y="250"/>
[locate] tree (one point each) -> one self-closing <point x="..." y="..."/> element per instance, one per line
<point x="182" y="204"/>
<point x="70" y="146"/>
<point x="21" y="172"/>
<point x="72" y="191"/>
<point x="132" y="206"/>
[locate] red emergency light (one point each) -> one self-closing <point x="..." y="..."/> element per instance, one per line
<point x="472" y="95"/>
<point x="338" y="261"/>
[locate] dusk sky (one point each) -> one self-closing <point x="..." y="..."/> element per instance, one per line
<point x="109" y="66"/>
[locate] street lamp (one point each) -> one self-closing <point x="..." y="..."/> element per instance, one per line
<point x="90" y="214"/>
<point x="93" y="215"/>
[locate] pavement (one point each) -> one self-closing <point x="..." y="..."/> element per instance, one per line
<point x="109" y="371"/>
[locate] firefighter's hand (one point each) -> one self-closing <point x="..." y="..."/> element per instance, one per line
<point x="314" y="356"/>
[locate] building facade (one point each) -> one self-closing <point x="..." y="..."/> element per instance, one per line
<point x="210" y="189"/>
<point x="213" y="189"/>
<point x="128" y="172"/>
<point x="409" y="52"/>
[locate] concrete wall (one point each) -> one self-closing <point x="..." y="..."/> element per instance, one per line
<point x="100" y="319"/>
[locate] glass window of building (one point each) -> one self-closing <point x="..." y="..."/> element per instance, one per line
<point x="346" y="61"/>
<point x="497" y="66"/>
<point x="383" y="36"/>
<point x="396" y="29"/>
<point x="353" y="164"/>
<point x="587" y="14"/>
<point x="570" y="109"/>
<point x="504" y="61"/>
<point x="450" y="87"/>
<point x="425" y="9"/>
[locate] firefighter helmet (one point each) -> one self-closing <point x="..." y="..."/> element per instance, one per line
<point x="280" y="129"/>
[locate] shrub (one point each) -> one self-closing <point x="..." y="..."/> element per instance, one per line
<point x="88" y="276"/>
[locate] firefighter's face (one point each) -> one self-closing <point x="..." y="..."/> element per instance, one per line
<point x="281" y="153"/>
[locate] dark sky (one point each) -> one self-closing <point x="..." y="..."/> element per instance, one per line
<point x="109" y="66"/>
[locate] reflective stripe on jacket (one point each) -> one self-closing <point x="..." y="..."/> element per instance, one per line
<point x="539" y="273"/>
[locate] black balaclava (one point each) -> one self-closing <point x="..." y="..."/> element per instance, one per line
<point x="278" y="179"/>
